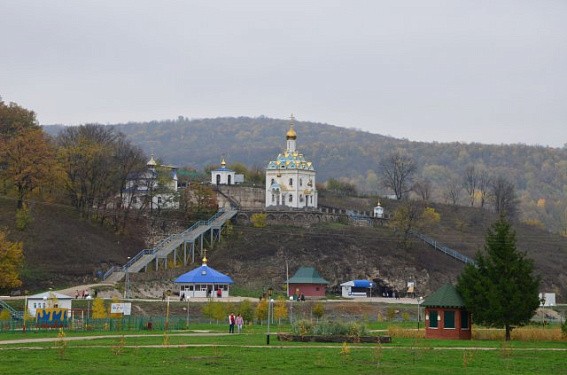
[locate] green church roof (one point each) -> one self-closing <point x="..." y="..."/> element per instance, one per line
<point x="446" y="296"/>
<point x="307" y="275"/>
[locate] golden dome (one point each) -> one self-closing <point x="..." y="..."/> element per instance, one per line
<point x="291" y="134"/>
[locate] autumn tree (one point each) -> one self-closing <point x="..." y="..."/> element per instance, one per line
<point x="245" y="309"/>
<point x="99" y="309"/>
<point x="26" y="156"/>
<point x="500" y="289"/>
<point x="198" y="201"/>
<point x="262" y="310"/>
<point x="86" y="153"/>
<point x="318" y="310"/>
<point x="215" y="310"/>
<point x="97" y="161"/>
<point x="15" y="119"/>
<point x="412" y="215"/>
<point x="29" y="162"/>
<point x="280" y="309"/>
<point x="397" y="171"/>
<point x="11" y="262"/>
<point x="405" y="219"/>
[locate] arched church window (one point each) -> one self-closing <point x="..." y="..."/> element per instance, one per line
<point x="300" y="182"/>
<point x="273" y="181"/>
<point x="291" y="182"/>
<point x="291" y="197"/>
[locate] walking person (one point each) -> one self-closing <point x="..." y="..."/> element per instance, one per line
<point x="239" y="323"/>
<point x="231" y="323"/>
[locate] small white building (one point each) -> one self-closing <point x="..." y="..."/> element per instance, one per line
<point x="379" y="211"/>
<point x="48" y="300"/>
<point x="225" y="176"/>
<point x="290" y="179"/>
<point x="357" y="288"/>
<point x="148" y="189"/>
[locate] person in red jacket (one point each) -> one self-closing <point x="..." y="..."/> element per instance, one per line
<point x="231" y="322"/>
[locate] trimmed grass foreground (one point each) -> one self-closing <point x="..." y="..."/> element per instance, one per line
<point x="220" y="353"/>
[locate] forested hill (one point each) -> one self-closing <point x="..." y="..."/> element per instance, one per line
<point x="538" y="173"/>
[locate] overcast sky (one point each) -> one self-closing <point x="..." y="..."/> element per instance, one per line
<point x="470" y="71"/>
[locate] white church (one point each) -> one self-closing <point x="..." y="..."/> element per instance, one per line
<point x="290" y="179"/>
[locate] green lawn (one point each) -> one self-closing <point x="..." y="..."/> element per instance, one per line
<point x="216" y="352"/>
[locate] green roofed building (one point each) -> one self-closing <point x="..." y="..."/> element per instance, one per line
<point x="446" y="316"/>
<point x="308" y="282"/>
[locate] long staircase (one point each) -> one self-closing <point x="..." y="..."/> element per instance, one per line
<point x="163" y="250"/>
<point x="443" y="248"/>
<point x="13" y="312"/>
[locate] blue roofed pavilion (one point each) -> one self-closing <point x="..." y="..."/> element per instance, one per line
<point x="204" y="282"/>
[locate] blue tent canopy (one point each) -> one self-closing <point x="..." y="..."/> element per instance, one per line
<point x="204" y="275"/>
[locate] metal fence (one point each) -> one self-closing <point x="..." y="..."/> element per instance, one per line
<point x="128" y="323"/>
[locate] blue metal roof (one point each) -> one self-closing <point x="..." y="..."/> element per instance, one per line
<point x="362" y="284"/>
<point x="204" y="275"/>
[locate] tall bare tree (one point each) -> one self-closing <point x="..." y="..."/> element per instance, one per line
<point x="452" y="191"/>
<point x="484" y="182"/>
<point x="503" y="195"/>
<point x="397" y="171"/>
<point x="423" y="189"/>
<point x="470" y="182"/>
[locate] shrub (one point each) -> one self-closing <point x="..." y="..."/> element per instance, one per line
<point x="326" y="328"/>
<point x="245" y="309"/>
<point x="318" y="310"/>
<point x="258" y="220"/>
<point x="5" y="315"/>
<point x="564" y="329"/>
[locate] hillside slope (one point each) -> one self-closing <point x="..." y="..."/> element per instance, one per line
<point x="341" y="252"/>
<point x="61" y="249"/>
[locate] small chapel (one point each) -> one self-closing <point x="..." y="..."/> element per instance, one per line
<point x="290" y="179"/>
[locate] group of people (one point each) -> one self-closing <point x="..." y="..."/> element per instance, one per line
<point x="82" y="294"/>
<point x="299" y="297"/>
<point x="235" y="320"/>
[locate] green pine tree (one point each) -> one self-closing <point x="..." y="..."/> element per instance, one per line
<point x="500" y="290"/>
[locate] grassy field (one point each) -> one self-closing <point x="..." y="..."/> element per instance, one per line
<point x="209" y="349"/>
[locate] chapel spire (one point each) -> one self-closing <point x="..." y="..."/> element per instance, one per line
<point x="291" y="135"/>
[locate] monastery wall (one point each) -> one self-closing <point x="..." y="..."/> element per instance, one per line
<point x="247" y="198"/>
